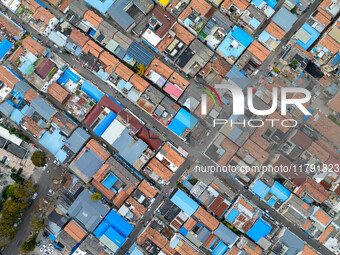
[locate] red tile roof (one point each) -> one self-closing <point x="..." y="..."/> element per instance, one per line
<point x="75" y="231"/>
<point x="106" y="101"/>
<point x="150" y="138"/>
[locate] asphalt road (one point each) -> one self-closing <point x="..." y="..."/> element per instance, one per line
<point x="23" y="230"/>
<point x="194" y="152"/>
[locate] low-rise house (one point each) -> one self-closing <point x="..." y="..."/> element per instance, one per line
<point x="113" y="231"/>
<point x="264" y="6"/>
<point x="325" y="51"/>
<point x="242" y="214"/>
<point x="296" y="143"/>
<point x="269" y="190"/>
<point x="311" y="191"/>
<point x="272" y="36"/>
<point x="221" y="150"/>
<point x="160" y="25"/>
<point x="251" y="19"/>
<point x="111" y="181"/>
<point x="252" y="58"/>
<point x="90" y="53"/>
<point x="157" y="171"/>
<point x="195" y="15"/>
<point x="89" y="160"/>
<point x="327" y="128"/>
<point x="137" y="204"/>
<point x="119" y="11"/>
<point x="194" y="58"/>
<point x="37" y="117"/>
<point x="215" y="30"/>
<point x="287" y="241"/>
<point x="75" y="42"/>
<point x="79" y="105"/>
<point x="234" y="9"/>
<point x="296" y="210"/>
<point x="87" y="212"/>
<point x="176" y="7"/>
<point x="234" y="44"/>
<point x="58" y="93"/>
<point x="10" y="27"/>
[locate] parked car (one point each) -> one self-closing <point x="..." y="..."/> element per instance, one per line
<point x="34" y="195"/>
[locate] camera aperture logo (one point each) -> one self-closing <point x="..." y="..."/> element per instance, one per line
<point x="238" y="101"/>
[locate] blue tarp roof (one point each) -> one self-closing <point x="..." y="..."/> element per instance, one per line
<point x="184" y="202"/>
<point x="140" y="54"/>
<point x="5" y="46"/>
<point x="241" y="36"/>
<point x="182" y="120"/>
<point x="68" y="75"/>
<point x="105" y="123"/>
<point x="92" y="91"/>
<point x="259" y="229"/>
<point x="314" y="35"/>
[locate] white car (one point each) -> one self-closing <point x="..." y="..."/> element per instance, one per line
<point x="34" y="195"/>
<point x="42" y="248"/>
<point x="56" y="162"/>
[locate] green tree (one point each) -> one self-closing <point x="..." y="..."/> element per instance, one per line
<point x="37" y="224"/>
<point x="23" y="190"/>
<point x="38" y="158"/>
<point x="10" y="190"/>
<point x="29" y="245"/>
<point x="95" y="196"/>
<point x="12" y="130"/>
<point x="294" y="64"/>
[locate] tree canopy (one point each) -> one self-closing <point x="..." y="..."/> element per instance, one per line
<point x="38" y="158"/>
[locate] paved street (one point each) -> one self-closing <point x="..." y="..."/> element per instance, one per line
<point x="195" y="152"/>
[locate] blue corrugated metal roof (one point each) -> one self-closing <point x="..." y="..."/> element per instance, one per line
<point x="92" y="91"/>
<point x="220" y="249"/>
<point x="68" y="75"/>
<point x="184" y="202"/>
<point x="105" y="123"/>
<point x="280" y="191"/>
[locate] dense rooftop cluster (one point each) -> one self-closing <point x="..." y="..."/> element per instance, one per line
<point x="112" y="89"/>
